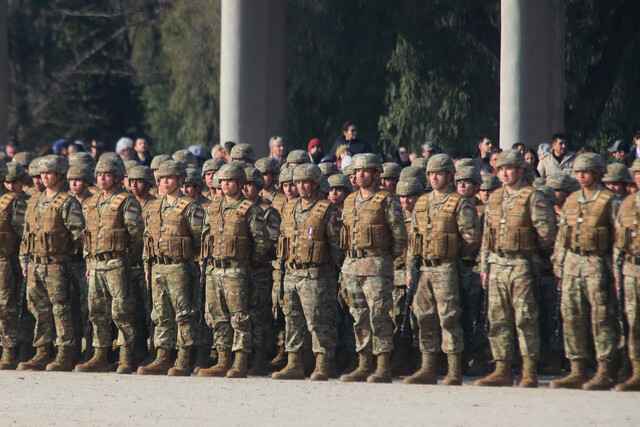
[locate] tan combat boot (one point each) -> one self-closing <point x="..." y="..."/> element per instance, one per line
<point x="221" y="368"/>
<point x="633" y="383"/>
<point x="293" y="370"/>
<point x="454" y="374"/>
<point x="160" y="366"/>
<point x="8" y="362"/>
<point x="529" y="377"/>
<point x="239" y="368"/>
<point x="321" y="372"/>
<point x="362" y="372"/>
<point x="501" y="377"/>
<point x="125" y="366"/>
<point x="62" y="362"/>
<point x="181" y="368"/>
<point x="260" y="364"/>
<point x="604" y="379"/>
<point x="427" y="372"/>
<point x="382" y="373"/>
<point x="279" y="362"/>
<point x="98" y="362"/>
<point x="576" y="378"/>
<point x="39" y="362"/>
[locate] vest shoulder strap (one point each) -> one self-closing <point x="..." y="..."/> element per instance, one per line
<point x="422" y="204"/>
<point x="451" y="203"/>
<point x="525" y="193"/>
<point x="153" y="205"/>
<point x="118" y="200"/>
<point x="628" y="204"/>
<point x="320" y="208"/>
<point x="59" y="199"/>
<point x="380" y="196"/>
<point x="496" y="197"/>
<point x="244" y="207"/>
<point x="603" y="198"/>
<point x="6" y="200"/>
<point x="182" y="205"/>
<point x="350" y="202"/>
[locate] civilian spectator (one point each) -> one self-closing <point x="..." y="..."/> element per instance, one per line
<point x="619" y="150"/>
<point x="531" y="157"/>
<point x="200" y="154"/>
<point x="11" y="149"/>
<point x="60" y="147"/>
<point x="125" y="148"/>
<point x="218" y="153"/>
<point x="483" y="154"/>
<point x="429" y="148"/>
<point x="97" y="148"/>
<point x="493" y="161"/>
<point x="228" y="146"/>
<point x="543" y="149"/>
<point x="635" y="151"/>
<point x="403" y="154"/>
<point x="349" y="138"/>
<point x="412" y="157"/>
<point x="520" y="147"/>
<point x="454" y="153"/>
<point x="74" y="148"/>
<point x="586" y="149"/>
<point x="142" y="156"/>
<point x="278" y="152"/>
<point x="316" y="151"/>
<point x="343" y="155"/>
<point x="559" y="159"/>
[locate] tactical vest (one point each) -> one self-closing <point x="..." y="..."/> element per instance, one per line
<point x="304" y="242"/>
<point x="437" y="236"/>
<point x="400" y="263"/>
<point x="519" y="235"/>
<point x="372" y="232"/>
<point x="169" y="236"/>
<point x="229" y="238"/>
<point x="47" y="235"/>
<point x="9" y="242"/>
<point x="105" y="232"/>
<point x="628" y="233"/>
<point x="278" y="201"/>
<point x="591" y="232"/>
<point x="480" y="207"/>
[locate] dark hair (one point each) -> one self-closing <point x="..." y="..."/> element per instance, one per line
<point x="586" y="149"/>
<point x="535" y="155"/>
<point x="453" y="152"/>
<point x="347" y="125"/>
<point x="228" y="146"/>
<point x="557" y="136"/>
<point x="393" y="156"/>
<point x="78" y="147"/>
<point x="637" y="135"/>
<point x="482" y="138"/>
<point x="517" y="145"/>
<point x="13" y="144"/>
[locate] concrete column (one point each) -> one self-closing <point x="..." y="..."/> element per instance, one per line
<point x="532" y="68"/>
<point x="4" y="71"/>
<point x="252" y="72"/>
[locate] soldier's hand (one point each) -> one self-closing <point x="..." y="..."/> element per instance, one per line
<point x="24" y="272"/>
<point x="87" y="274"/>
<point x="483" y="280"/>
<point x="616" y="282"/>
<point x="147" y="279"/>
<point x="408" y="281"/>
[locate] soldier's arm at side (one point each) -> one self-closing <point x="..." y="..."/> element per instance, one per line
<point x="469" y="228"/>
<point x="333" y="225"/>
<point x="559" y="251"/>
<point x="24" y="255"/>
<point x="484" y="248"/>
<point x="411" y="255"/>
<point x="195" y="221"/>
<point x="258" y="230"/>
<point x="132" y="216"/>
<point x="74" y="222"/>
<point x="395" y="220"/>
<point x="18" y="215"/>
<point x="543" y="219"/>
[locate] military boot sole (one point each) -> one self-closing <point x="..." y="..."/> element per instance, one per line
<point x="452" y="380"/>
<point x="386" y="378"/>
<point x="4" y="366"/>
<point x="91" y="369"/>
<point x="628" y="386"/>
<point x="24" y="366"/>
<point x="349" y="378"/>
<point x="179" y="372"/>
<point x="288" y="375"/>
<point x="319" y="377"/>
<point x="594" y="386"/>
<point x="235" y="373"/>
<point x="528" y="383"/>
<point x="422" y="379"/>
<point x="572" y="384"/>
<point x="208" y="373"/>
<point x="143" y="371"/>
<point x="494" y="383"/>
<point x="56" y="367"/>
<point x="124" y="370"/>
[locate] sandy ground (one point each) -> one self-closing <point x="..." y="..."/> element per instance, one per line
<point x="31" y="398"/>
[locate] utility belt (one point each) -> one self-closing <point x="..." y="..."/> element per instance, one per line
<point x="106" y="256"/>
<point x="302" y="265"/>
<point x="509" y="255"/>
<point x="45" y="259"/>
<point x="363" y="253"/>
<point x="165" y="260"/>
<point x="582" y="252"/>
<point x="227" y="263"/>
<point x="632" y="259"/>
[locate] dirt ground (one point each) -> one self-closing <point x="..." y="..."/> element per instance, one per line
<point x="31" y="398"/>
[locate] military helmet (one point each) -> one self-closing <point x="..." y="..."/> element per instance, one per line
<point x="81" y="158"/>
<point x="323" y="184"/>
<point x="110" y="155"/>
<point x="348" y="169"/>
<point x="329" y="168"/>
<point x="128" y="165"/>
<point x="187" y="157"/>
<point x="172" y="167"/>
<point x="617" y="172"/>
<point x="635" y="166"/>
<point x="267" y="165"/>
<point x="194" y="176"/>
<point x="34" y="167"/>
<point x="307" y="172"/>
<point x="549" y="194"/>
<point x="340" y="180"/>
<point x="469" y="173"/>
<point x="53" y="163"/>
<point x="215" y="182"/>
<point x="391" y="170"/>
<point x="113" y="165"/>
<point x="490" y="182"/>
<point x="4" y="170"/>
<point x="158" y="160"/>
<point x="15" y="172"/>
<point x="440" y="163"/>
<point x="243" y="152"/>
<point x="142" y="172"/>
<point x="286" y="174"/>
<point x="212" y="165"/>
<point x="560" y="181"/>
<point x="421" y="162"/>
<point x="415" y="172"/>
<point x="465" y="162"/>
<point x="82" y="172"/>
<point x="511" y="158"/>
<point x="24" y="158"/>
<point x="539" y="182"/>
<point x="232" y="171"/>
<point x="367" y="161"/>
<point x="254" y="176"/>
<point x="590" y="161"/>
<point x="409" y="186"/>
<point x="298" y="156"/>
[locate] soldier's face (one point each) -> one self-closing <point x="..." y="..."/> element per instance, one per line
<point x="484" y="195"/>
<point x="37" y="183"/>
<point x="439" y="180"/>
<point x="230" y="187"/>
<point x="408" y="202"/>
<point x="14" y="186"/>
<point x="337" y="195"/>
<point x="367" y="177"/>
<point x="77" y="186"/>
<point x="618" y="187"/>
<point x="636" y="178"/>
<point x="509" y="175"/>
<point x="189" y="190"/>
<point x="561" y="195"/>
<point x="306" y="188"/>
<point x="465" y="188"/>
<point x="50" y="179"/>
<point x="139" y="187"/>
<point x="170" y="184"/>
<point x="106" y="181"/>
<point x="208" y="178"/>
<point x="388" y="184"/>
<point x="587" y="179"/>
<point x="251" y="191"/>
<point x="289" y="189"/>
<point x="354" y="182"/>
<point x="268" y="179"/>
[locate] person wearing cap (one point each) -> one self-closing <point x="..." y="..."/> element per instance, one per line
<point x="518" y="223"/>
<point x="634" y="152"/>
<point x="373" y="236"/>
<point x="617" y="179"/>
<point x="310" y="248"/>
<point x="243" y="153"/>
<point x="316" y="151"/>
<point x="340" y="188"/>
<point x="390" y="176"/>
<point x="60" y="147"/>
<point x="173" y="231"/>
<point x="200" y="154"/>
<point x="52" y="232"/>
<point x="559" y="159"/>
<point x="192" y="187"/>
<point x="445" y="228"/>
<point x="489" y="184"/>
<point x="209" y="168"/>
<point x="583" y="257"/>
<point x="13" y="208"/>
<point x="155" y="165"/>
<point x="112" y="239"/>
<point x="142" y="155"/>
<point x="270" y="171"/>
<point x="619" y="150"/>
<point x="277" y="150"/>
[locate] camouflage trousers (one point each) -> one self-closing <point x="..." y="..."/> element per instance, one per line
<point x="171" y="289"/>
<point x="227" y="302"/>
<point x="80" y="298"/>
<point x="310" y="305"/>
<point x="110" y="298"/>
<point x="370" y="301"/>
<point x="278" y="330"/>
<point x="49" y="297"/>
<point x="631" y="309"/>
<point x="260" y="306"/>
<point x="10" y="284"/>
<point x="472" y="317"/>
<point x="437" y="304"/>
<point x="513" y="308"/>
<point x="551" y="335"/>
<point x="589" y="302"/>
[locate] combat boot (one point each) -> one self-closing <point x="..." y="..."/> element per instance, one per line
<point x="160" y="366"/>
<point x="427" y="372"/>
<point x="182" y="367"/>
<point x="382" y="373"/>
<point x="125" y="366"/>
<point x="362" y="372"/>
<point x="321" y="372"/>
<point x="260" y="365"/>
<point x="633" y="383"/>
<point x="98" y="362"/>
<point x="501" y="377"/>
<point x="39" y="362"/>
<point x="293" y="370"/>
<point x="529" y="377"/>
<point x="454" y="374"/>
<point x="604" y="378"/>
<point x="8" y="361"/>
<point x="62" y="362"/>
<point x="279" y="362"/>
<point x="576" y="378"/>
<point x="221" y="368"/>
<point x="239" y="369"/>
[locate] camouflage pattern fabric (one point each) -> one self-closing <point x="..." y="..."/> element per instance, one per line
<point x="10" y="283"/>
<point x="631" y="285"/>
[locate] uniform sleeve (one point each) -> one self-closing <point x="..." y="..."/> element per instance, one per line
<point x="395" y="220"/>
<point x="273" y="223"/>
<point x="195" y="221"/>
<point x="74" y="222"/>
<point x="18" y="215"/>
<point x="132" y="216"/>
<point x="559" y="251"/>
<point x="411" y="256"/>
<point x="469" y="228"/>
<point x="333" y="225"/>
<point x="24" y="255"/>
<point x="484" y="249"/>
<point x="544" y="221"/>
<point x="258" y="229"/>
<point x="614" y="215"/>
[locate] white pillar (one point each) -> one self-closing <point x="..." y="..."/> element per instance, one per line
<point x="4" y="71"/>
<point x="532" y="65"/>
<point x="252" y="72"/>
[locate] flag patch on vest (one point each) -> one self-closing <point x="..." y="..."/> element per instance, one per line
<point x="198" y="215"/>
<point x="132" y="210"/>
<point x="260" y="219"/>
<point x="76" y="213"/>
<point x="311" y="231"/>
<point x="272" y="227"/>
